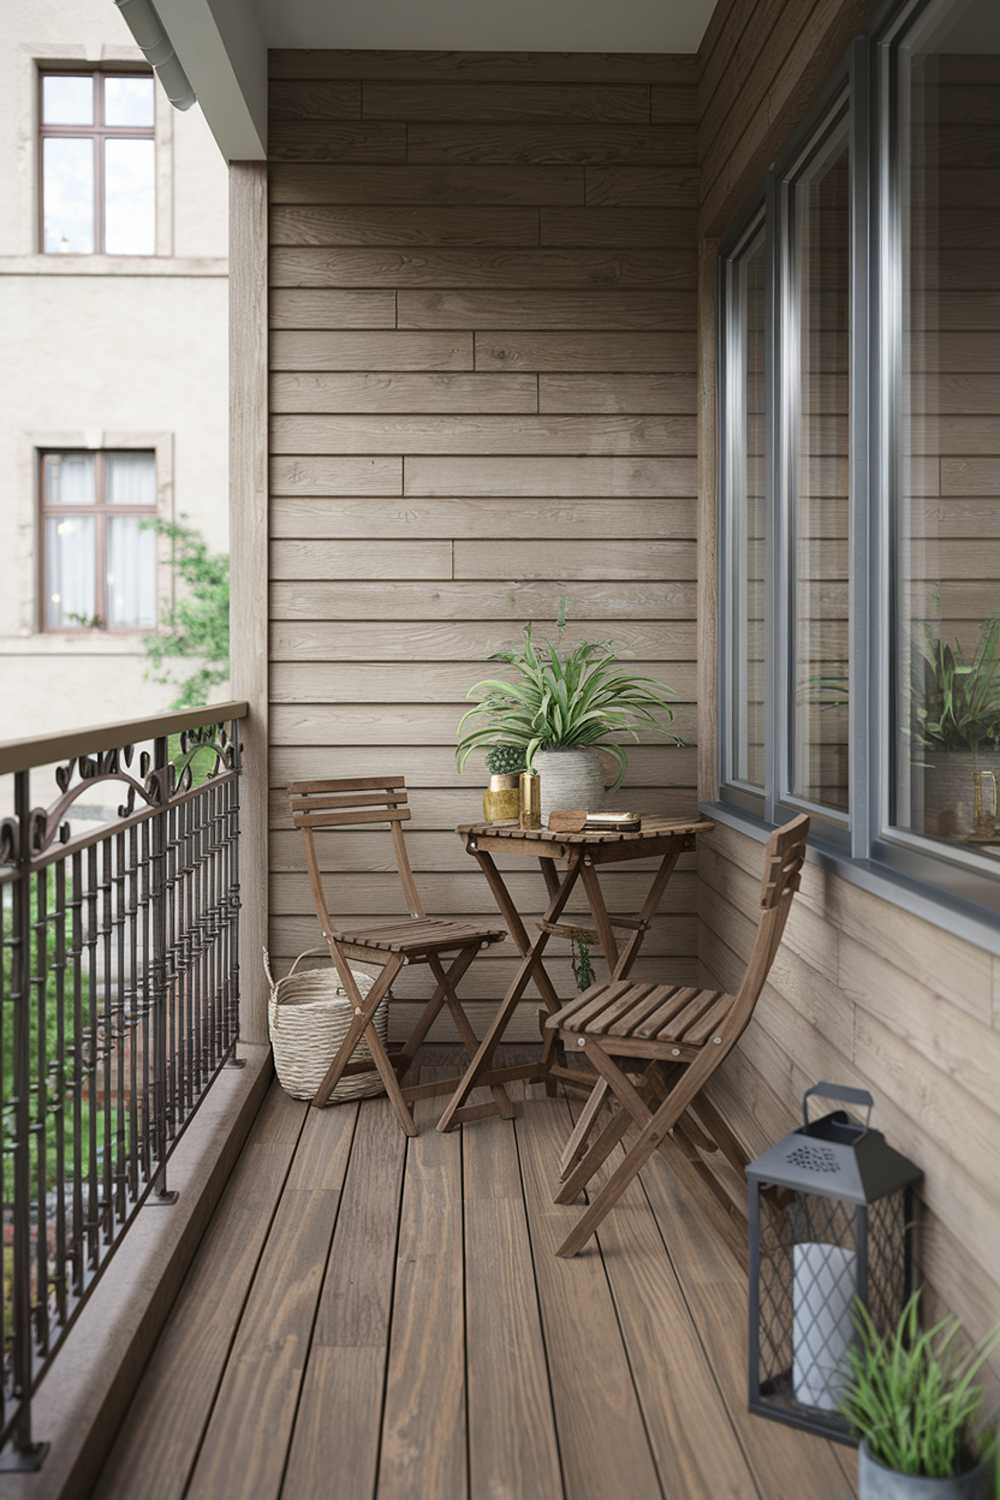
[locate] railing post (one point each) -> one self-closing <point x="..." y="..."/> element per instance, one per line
<point x="24" y="1453"/>
<point x="233" y="895"/>
<point x="158" y="900"/>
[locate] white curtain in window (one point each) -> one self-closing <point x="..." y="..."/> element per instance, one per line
<point x="69" y="572"/>
<point x="131" y="478"/>
<point x="70" y="478"/>
<point x="131" y="573"/>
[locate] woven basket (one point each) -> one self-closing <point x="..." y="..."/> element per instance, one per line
<point x="308" y="1016"/>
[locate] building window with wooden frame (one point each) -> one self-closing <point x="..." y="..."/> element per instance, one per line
<point x="97" y="163"/>
<point x="99" y="554"/>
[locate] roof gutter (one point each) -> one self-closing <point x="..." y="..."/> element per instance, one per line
<point x="141" y="18"/>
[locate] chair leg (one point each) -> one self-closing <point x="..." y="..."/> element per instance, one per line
<point x="470" y="1041"/>
<point x="430" y="1011"/>
<point x="576" y="1146"/>
<point x="600" y="1148"/>
<point x="389" y="1078"/>
<point x="364" y="1010"/>
<point x="654" y="1129"/>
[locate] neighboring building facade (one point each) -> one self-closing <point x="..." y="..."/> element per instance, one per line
<point x="113" y="380"/>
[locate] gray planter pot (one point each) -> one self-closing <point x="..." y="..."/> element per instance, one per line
<point x="949" y="781"/>
<point x="571" y="780"/>
<point x="878" y="1483"/>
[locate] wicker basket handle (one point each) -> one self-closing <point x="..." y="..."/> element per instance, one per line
<point x="275" y="984"/>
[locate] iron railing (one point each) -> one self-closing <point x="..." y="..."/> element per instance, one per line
<point x="119" y="991"/>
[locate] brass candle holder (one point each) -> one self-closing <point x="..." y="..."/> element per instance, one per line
<point x="531" y="799"/>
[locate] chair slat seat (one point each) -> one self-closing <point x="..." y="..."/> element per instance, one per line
<point x="681" y="1034"/>
<point x="448" y="948"/>
<point x="419" y="935"/>
<point x="665" y="1013"/>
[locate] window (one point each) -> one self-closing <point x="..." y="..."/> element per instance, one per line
<point x="744" y="356"/>
<point x="945" y="433"/>
<point x="861" y="562"/>
<point x="817" y="306"/>
<point x="98" y="558"/>
<point x="98" y="164"/>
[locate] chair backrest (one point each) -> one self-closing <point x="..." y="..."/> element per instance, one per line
<point x="350" y="802"/>
<point x="783" y="859"/>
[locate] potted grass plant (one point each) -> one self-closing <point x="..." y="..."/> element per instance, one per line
<point x="914" y="1403"/>
<point x="955" y="721"/>
<point x="564" y="709"/>
<point x="954" y="729"/>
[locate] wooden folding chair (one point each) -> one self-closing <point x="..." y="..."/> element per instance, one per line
<point x="393" y="944"/>
<point x="679" y="1036"/>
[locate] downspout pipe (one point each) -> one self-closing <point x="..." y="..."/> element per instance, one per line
<point x="141" y="18"/>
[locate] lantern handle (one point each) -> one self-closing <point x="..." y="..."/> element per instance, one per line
<point x="841" y="1092"/>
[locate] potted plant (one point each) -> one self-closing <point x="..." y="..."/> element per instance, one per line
<point x="561" y="708"/>
<point x="502" y="798"/>
<point x="954" y="727"/>
<point x="913" y="1402"/>
<point x="955" y="720"/>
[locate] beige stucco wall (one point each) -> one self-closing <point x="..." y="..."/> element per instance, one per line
<point x="98" y="350"/>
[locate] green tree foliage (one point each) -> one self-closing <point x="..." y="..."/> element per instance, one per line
<point x="197" y="625"/>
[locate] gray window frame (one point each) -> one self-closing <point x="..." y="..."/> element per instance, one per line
<point x="939" y="881"/>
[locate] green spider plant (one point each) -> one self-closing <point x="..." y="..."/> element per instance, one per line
<point x="561" y="700"/>
<point x="954" y="703"/>
<point x="913" y="1399"/>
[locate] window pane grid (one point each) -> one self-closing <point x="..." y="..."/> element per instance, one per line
<point x="98" y="174"/>
<point x="99" y="560"/>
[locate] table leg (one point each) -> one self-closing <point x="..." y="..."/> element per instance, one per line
<point x="653" y="898"/>
<point x="530" y="968"/>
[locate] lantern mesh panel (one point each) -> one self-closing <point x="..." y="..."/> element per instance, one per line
<point x="788" y="1219"/>
<point x="886" y="1260"/>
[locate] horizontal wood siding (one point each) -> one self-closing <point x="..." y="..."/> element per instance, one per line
<point x="483" y="354"/>
<point x="861" y="992"/>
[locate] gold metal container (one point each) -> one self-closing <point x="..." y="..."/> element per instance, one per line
<point x="531" y="800"/>
<point x="502" y="799"/>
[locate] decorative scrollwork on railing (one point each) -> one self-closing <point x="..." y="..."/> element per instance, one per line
<point x="8" y="841"/>
<point x="209" y="744"/>
<point x="208" y="751"/>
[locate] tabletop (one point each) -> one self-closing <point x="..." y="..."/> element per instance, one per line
<point x="652" y="828"/>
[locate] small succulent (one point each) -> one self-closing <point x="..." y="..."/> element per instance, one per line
<point x="505" y="760"/>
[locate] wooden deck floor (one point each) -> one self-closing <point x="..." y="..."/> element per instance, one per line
<point x="372" y="1317"/>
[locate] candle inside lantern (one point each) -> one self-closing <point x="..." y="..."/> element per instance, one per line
<point x="822" y="1305"/>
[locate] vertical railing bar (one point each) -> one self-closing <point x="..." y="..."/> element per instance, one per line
<point x="132" y="1019"/>
<point x="93" y="1220"/>
<point x="21" y="997"/>
<point x="107" y="1048"/>
<point x="39" y="1127"/>
<point x="234" y="1028"/>
<point x="118" y="1035"/>
<point x="161" y="907"/>
<point x="78" y="1066"/>
<point x="60" y="1088"/>
<point x="147" y="961"/>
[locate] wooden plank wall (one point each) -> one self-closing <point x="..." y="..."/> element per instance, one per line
<point x="861" y="991"/>
<point x="483" y="354"/>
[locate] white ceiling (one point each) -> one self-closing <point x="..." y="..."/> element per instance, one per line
<point x="488" y="25"/>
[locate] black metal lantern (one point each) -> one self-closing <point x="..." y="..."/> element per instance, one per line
<point x="831" y="1222"/>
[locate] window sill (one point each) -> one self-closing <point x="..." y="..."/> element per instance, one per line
<point x="91" y="643"/>
<point x="113" y="265"/>
<point x="970" y="923"/>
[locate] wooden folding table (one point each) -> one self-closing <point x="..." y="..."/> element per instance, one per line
<point x="564" y="858"/>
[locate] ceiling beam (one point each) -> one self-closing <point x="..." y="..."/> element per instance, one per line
<point x="221" y="48"/>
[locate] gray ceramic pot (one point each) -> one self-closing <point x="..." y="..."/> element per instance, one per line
<point x="572" y="780"/>
<point x="878" y="1483"/>
<point x="950" y="779"/>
